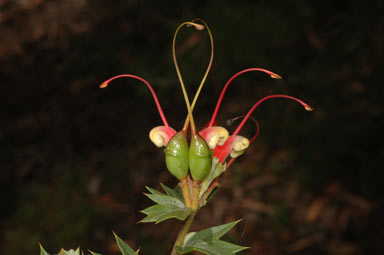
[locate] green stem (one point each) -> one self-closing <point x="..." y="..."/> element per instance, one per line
<point x="195" y="195"/>
<point x="183" y="232"/>
<point x="184" y="184"/>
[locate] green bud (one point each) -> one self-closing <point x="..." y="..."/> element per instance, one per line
<point x="200" y="159"/>
<point x="176" y="155"/>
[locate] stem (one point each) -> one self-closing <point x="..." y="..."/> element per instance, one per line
<point x="195" y="195"/>
<point x="184" y="185"/>
<point x="231" y="161"/>
<point x="210" y="189"/>
<point x="183" y="232"/>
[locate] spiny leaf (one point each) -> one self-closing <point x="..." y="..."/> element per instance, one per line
<point x="70" y="252"/>
<point x="124" y="247"/>
<point x="213" y="233"/>
<point x="163" y="199"/>
<point x="169" y="205"/>
<point x="42" y="251"/>
<point x="171" y="196"/>
<point x="216" y="247"/>
<point x="176" y="192"/>
<point x="63" y="252"/>
<point x="158" y="213"/>
<point x="153" y="191"/>
<point x="94" y="253"/>
<point x="207" y="241"/>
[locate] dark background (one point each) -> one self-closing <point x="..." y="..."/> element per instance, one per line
<point x="75" y="159"/>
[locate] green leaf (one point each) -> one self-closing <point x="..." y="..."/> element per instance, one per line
<point x="169" y="205"/>
<point x="213" y="233"/>
<point x="163" y="199"/>
<point x="94" y="253"/>
<point x="176" y="192"/>
<point x="171" y="196"/>
<point x="213" y="193"/>
<point x="158" y="213"/>
<point x="184" y="249"/>
<point x="153" y="191"/>
<point x="42" y="251"/>
<point x="215" y="247"/>
<point x="216" y="170"/>
<point x="207" y="241"/>
<point x="70" y="252"/>
<point x="63" y="252"/>
<point x="124" y="247"/>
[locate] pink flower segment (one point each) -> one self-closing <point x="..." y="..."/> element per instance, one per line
<point x="221" y="152"/>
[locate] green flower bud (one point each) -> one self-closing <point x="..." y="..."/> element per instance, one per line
<point x="176" y="155"/>
<point x="200" y="159"/>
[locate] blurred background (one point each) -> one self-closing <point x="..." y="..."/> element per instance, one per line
<point x="75" y="159"/>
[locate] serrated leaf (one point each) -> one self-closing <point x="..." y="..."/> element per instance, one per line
<point x="70" y="252"/>
<point x="153" y="191"/>
<point x="209" y="234"/>
<point x="218" y="247"/>
<point x="124" y="247"/>
<point x="94" y="253"/>
<point x="171" y="197"/>
<point x="158" y="213"/>
<point x="62" y="251"/>
<point x="176" y="192"/>
<point x="163" y="199"/>
<point x="42" y="251"/>
<point x="207" y="241"/>
<point x="169" y="205"/>
<point x="184" y="250"/>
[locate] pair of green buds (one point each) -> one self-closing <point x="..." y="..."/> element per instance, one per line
<point x="179" y="157"/>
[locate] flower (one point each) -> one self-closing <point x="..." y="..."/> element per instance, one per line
<point x="206" y="158"/>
